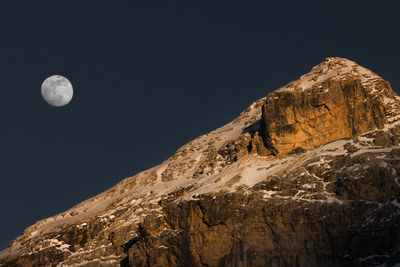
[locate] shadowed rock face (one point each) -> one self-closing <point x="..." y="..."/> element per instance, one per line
<point x="307" y="176"/>
<point x="245" y="230"/>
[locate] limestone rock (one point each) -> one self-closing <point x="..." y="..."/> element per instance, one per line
<point x="337" y="99"/>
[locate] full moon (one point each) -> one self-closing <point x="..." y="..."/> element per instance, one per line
<point x="57" y="91"/>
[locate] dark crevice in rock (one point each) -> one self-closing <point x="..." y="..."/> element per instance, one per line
<point x="322" y="105"/>
<point x="266" y="138"/>
<point x="130" y="243"/>
<point x="124" y="262"/>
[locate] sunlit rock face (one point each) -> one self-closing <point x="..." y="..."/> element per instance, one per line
<point x="336" y="99"/>
<point x="307" y="176"/>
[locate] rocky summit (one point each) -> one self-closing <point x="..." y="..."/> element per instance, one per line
<point x="307" y="176"/>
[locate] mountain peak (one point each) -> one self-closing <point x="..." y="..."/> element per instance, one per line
<point x="331" y="68"/>
<point x="333" y="61"/>
<point x="296" y="163"/>
<point x="337" y="99"/>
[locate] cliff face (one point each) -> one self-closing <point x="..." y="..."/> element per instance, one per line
<point x="337" y="99"/>
<point x="307" y="176"/>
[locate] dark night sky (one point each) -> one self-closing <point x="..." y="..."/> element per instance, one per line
<point x="148" y="79"/>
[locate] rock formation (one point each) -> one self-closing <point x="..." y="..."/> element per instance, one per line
<point x="336" y="99"/>
<point x="307" y="176"/>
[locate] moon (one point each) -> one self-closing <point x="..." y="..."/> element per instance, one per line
<point x="57" y="91"/>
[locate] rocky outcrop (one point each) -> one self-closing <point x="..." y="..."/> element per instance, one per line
<point x="307" y="176"/>
<point x="337" y="99"/>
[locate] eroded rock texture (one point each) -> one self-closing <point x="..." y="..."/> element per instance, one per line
<point x="336" y="100"/>
<point x="246" y="230"/>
